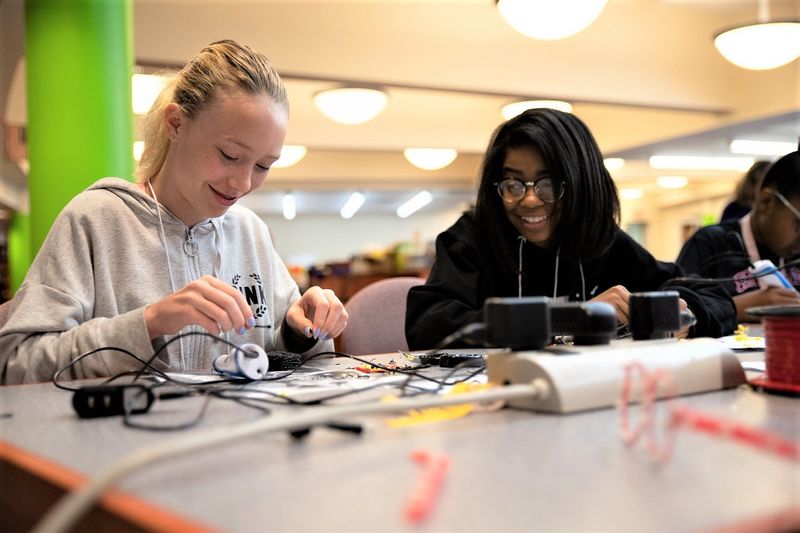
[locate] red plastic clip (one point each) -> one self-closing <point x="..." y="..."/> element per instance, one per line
<point x="423" y="498"/>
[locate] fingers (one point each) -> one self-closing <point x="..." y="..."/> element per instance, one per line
<point x="618" y="296"/>
<point x="782" y="296"/>
<point x="206" y="302"/>
<point x="224" y="304"/>
<point x="318" y="313"/>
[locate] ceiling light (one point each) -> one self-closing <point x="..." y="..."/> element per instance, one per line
<point x="430" y="158"/>
<point x="290" y="155"/>
<point x="515" y="108"/>
<point x="672" y="182"/>
<point x="352" y="205"/>
<point x="289" y="206"/>
<point x="417" y="202"/>
<point x="548" y="19"/>
<point x="146" y="88"/>
<point x="761" y="45"/>
<point x="631" y="193"/>
<point x="613" y="163"/>
<point x="762" y="148"/>
<point x="691" y="162"/>
<point x="138" y="149"/>
<point x="351" y="105"/>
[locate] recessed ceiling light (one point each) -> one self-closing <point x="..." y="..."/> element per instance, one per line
<point x="613" y="163"/>
<point x="630" y="193"/>
<point x="761" y="45"/>
<point x="145" y="90"/>
<point x="762" y="148"/>
<point x="684" y="162"/>
<point x="513" y="109"/>
<point x="289" y="206"/>
<point x="430" y="158"/>
<point x="417" y="202"/>
<point x="291" y="154"/>
<point x="549" y="20"/>
<point x="351" y="105"/>
<point x="353" y="204"/>
<point x="138" y="149"/>
<point x="672" y="182"/>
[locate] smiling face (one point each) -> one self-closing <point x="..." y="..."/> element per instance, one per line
<point x="219" y="155"/>
<point x="534" y="219"/>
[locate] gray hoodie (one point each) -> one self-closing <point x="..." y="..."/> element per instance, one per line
<point x="104" y="261"/>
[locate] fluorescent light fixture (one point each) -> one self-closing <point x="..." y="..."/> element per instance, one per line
<point x="549" y="19"/>
<point x="417" y="202"/>
<point x="290" y="155"/>
<point x="146" y="88"/>
<point x="630" y="193"/>
<point x="430" y="158"/>
<point x="351" y="105"/>
<point x="672" y="182"/>
<point x="763" y="148"/>
<point x="691" y="162"/>
<point x="138" y="149"/>
<point x="613" y="163"/>
<point x="353" y="204"/>
<point x="289" y="206"/>
<point x="513" y="109"/>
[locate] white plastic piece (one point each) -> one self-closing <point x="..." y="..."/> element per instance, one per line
<point x="590" y="377"/>
<point x="247" y="361"/>
<point x="769" y="275"/>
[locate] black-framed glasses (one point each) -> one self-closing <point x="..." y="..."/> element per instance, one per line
<point x="546" y="189"/>
<point x="789" y="206"/>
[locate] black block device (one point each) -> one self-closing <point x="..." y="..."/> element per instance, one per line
<point x="112" y="400"/>
<point x="654" y="315"/>
<point x="517" y="323"/>
<point x="587" y="322"/>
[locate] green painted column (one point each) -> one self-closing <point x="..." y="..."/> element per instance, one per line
<point x="19" y="250"/>
<point x="79" y="59"/>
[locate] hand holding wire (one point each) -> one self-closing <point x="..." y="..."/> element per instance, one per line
<point x="206" y="302"/>
<point x="618" y="296"/>
<point x="318" y="313"/>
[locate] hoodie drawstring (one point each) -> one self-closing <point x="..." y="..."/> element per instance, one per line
<point x="521" y="240"/>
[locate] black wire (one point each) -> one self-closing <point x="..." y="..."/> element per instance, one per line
<point x="699" y="281"/>
<point x="230" y="388"/>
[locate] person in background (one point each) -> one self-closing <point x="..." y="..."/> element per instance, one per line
<point x="545" y="224"/>
<point x="128" y="265"/>
<point x="745" y="194"/>
<point x="771" y="231"/>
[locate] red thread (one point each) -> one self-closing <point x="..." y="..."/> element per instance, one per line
<point x="782" y="355"/>
<point x="681" y="415"/>
<point x="423" y="498"/>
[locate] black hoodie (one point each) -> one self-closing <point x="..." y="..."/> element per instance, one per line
<point x="465" y="274"/>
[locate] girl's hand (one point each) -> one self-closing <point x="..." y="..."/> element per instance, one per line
<point x="206" y="302"/>
<point x="318" y="313"/>
<point x="618" y="296"/>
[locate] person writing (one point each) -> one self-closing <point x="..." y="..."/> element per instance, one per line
<point x="544" y="224"/>
<point x="770" y="231"/>
<point x="129" y="265"/>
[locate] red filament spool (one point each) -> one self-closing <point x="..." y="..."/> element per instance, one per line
<point x="782" y="339"/>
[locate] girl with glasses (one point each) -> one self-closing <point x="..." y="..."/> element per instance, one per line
<point x="770" y="231"/>
<point x="545" y="224"/>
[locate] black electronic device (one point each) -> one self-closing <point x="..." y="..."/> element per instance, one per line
<point x="588" y="323"/>
<point x="451" y="360"/>
<point x="517" y="323"/>
<point x="112" y="400"/>
<point x="654" y="315"/>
